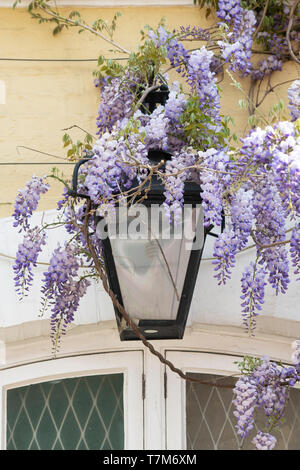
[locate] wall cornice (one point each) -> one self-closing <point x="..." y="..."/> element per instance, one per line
<point x="106" y="3"/>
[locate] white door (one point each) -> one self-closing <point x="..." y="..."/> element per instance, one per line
<point x="90" y="401"/>
<point x="199" y="416"/>
<point x="178" y="426"/>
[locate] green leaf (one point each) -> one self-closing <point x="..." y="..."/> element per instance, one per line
<point x="74" y="13"/>
<point x="208" y="12"/>
<point x="297" y="125"/>
<point x="243" y="104"/>
<point x="252" y="120"/>
<point x="57" y="30"/>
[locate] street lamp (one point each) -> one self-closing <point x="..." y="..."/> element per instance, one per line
<point x="153" y="271"/>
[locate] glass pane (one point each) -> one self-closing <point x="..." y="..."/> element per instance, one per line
<point x="210" y="423"/>
<point x="76" y="413"/>
<point x="154" y="266"/>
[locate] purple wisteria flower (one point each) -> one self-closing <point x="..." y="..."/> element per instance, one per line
<point x="26" y="259"/>
<point x="156" y="130"/>
<point x="266" y="67"/>
<point x="73" y="218"/>
<point x="241" y="211"/>
<point x="253" y="287"/>
<point x="195" y="32"/>
<point x="230" y="11"/>
<point x="27" y="201"/>
<point x="160" y="37"/>
<point x="270" y="228"/>
<point x="294" y="99"/>
<point x="245" y="403"/>
<point x="296" y="354"/>
<point x="175" y="51"/>
<point x="161" y="129"/>
<point x="214" y="181"/>
<point x="273" y="394"/>
<point x="195" y="66"/>
<point x="275" y="150"/>
<point x="174" y="107"/>
<point x="111" y="169"/>
<point x="203" y="82"/>
<point x="286" y="166"/>
<point x="236" y="48"/>
<point x="225" y="250"/>
<point x="266" y="387"/>
<point x="64" y="200"/>
<point x="175" y="104"/>
<point x="278" y="45"/>
<point x="62" y="289"/>
<point x="254" y="149"/>
<point x="264" y="441"/>
<point x="174" y="185"/>
<point x="295" y="249"/>
<point x="116" y="101"/>
<point x="275" y="153"/>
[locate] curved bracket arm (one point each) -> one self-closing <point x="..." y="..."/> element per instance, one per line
<point x="73" y="192"/>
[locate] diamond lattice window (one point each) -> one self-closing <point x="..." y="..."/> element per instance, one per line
<point x="210" y="423"/>
<point x="76" y="413"/>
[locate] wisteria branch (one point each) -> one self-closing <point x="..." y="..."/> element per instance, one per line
<point x="82" y="25"/>
<point x="268" y="245"/>
<point x="288" y="31"/>
<point x="262" y="19"/>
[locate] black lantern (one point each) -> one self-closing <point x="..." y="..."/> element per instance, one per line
<point x="153" y="274"/>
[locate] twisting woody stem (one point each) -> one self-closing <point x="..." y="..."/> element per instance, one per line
<point x="123" y="312"/>
<point x="291" y="20"/>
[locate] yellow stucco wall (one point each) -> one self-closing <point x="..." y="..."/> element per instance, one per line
<point x="42" y="98"/>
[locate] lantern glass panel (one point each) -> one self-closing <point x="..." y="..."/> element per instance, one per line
<point x="152" y="261"/>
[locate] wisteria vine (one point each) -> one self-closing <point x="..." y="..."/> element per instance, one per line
<point x="255" y="183"/>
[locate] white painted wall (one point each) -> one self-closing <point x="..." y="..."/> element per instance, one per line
<point x="95" y="307"/>
<point x="212" y="304"/>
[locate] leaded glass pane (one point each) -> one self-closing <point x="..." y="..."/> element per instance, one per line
<point x="76" y="413"/>
<point x="210" y="423"/>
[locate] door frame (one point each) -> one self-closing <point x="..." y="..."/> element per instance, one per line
<point x="197" y="362"/>
<point x="129" y="363"/>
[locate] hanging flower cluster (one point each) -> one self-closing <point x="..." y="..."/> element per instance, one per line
<point x="256" y="185"/>
<point x="294" y="99"/>
<point x="62" y="289"/>
<point x="265" y="387"/>
<point x="236" y="49"/>
<point x="27" y="201"/>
